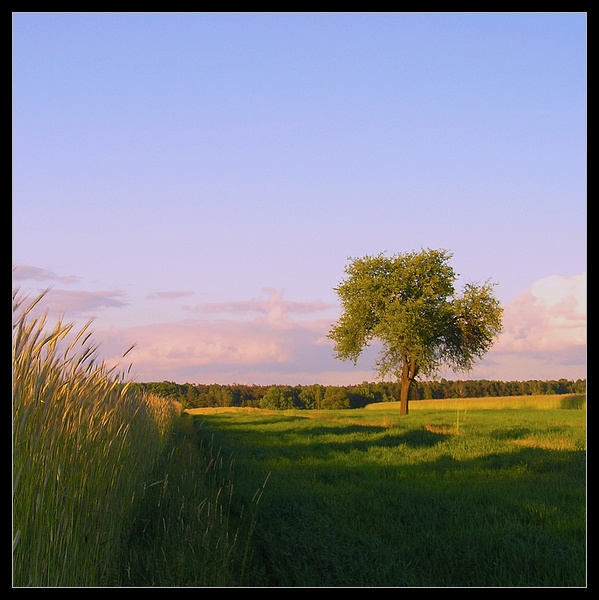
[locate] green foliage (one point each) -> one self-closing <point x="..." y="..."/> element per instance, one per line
<point x="335" y="398"/>
<point x="402" y="301"/>
<point x="408" y="303"/>
<point x="311" y="396"/>
<point x="277" y="398"/>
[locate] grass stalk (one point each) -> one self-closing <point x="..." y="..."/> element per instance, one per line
<point x="83" y="443"/>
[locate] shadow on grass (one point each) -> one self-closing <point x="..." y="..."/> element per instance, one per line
<point x="576" y="402"/>
<point x="322" y="440"/>
<point x="512" y="518"/>
<point x="446" y="522"/>
<point x="511" y="433"/>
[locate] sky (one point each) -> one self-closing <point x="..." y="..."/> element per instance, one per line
<point x="198" y="182"/>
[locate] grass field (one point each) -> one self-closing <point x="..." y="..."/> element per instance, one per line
<point x="478" y="492"/>
<point x="574" y="401"/>
<point x="113" y="487"/>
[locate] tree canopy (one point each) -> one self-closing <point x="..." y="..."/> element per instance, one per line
<point x="409" y="303"/>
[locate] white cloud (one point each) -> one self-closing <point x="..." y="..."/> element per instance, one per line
<point x="548" y="317"/>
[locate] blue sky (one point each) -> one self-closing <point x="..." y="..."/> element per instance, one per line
<point x="197" y="181"/>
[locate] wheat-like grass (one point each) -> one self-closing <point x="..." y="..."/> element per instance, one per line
<point x="83" y="442"/>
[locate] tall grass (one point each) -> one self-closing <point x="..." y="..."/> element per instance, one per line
<point x="111" y="486"/>
<point x="188" y="528"/>
<point x="84" y="442"/>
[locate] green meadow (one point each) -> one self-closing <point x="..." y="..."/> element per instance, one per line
<point x="477" y="492"/>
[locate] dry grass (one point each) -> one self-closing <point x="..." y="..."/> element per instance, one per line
<point x="558" y="443"/>
<point x="440" y="429"/>
<point x="221" y="409"/>
<point x="491" y="403"/>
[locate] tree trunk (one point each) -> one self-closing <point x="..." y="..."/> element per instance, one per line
<point x="409" y="371"/>
<point x="405" y="391"/>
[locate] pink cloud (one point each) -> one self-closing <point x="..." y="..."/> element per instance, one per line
<point x="262" y="343"/>
<point x="274" y="307"/>
<point x="548" y="317"/>
<point x="67" y="303"/>
<point x="28" y="273"/>
<point x="194" y="349"/>
<point x="168" y="295"/>
<point x="272" y="340"/>
<point x="72" y="303"/>
<point x="544" y="334"/>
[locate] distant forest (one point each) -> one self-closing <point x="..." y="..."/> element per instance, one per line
<point x="350" y="396"/>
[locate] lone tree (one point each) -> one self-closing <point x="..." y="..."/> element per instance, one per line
<point x="408" y="302"/>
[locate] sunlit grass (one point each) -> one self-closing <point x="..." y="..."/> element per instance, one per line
<point x="540" y="401"/>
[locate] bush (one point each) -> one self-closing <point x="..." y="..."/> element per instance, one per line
<point x="335" y="397"/>
<point x="276" y="398"/>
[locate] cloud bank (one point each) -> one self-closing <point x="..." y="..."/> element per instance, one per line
<point x="545" y="333"/>
<point x="273" y="340"/>
<point x="270" y="339"/>
<point x="550" y="317"/>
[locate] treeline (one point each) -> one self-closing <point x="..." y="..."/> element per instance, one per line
<point x="351" y="396"/>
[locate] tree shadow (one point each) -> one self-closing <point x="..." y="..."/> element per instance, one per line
<point x="511" y="433"/>
<point x="575" y="402"/>
<point x="422" y="438"/>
